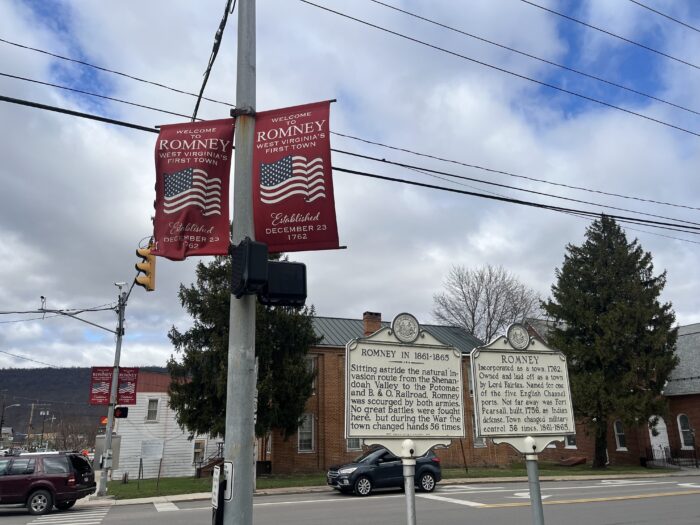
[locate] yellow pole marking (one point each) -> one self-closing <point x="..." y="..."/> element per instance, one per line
<point x="594" y="500"/>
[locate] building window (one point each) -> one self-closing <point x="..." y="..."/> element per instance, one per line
<point x="479" y="442"/>
<point x="199" y="447"/>
<point x="152" y="412"/>
<point x="620" y="436"/>
<point x="306" y="434"/>
<point x="686" y="433"/>
<point x="354" y="444"/>
<point x="570" y="441"/>
<point x="311" y="367"/>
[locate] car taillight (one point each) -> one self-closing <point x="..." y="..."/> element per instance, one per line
<point x="71" y="480"/>
<point x="436" y="459"/>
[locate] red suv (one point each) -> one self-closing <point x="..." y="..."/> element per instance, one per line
<point x="40" y="481"/>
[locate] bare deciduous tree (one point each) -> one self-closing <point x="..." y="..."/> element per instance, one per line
<point x="484" y="301"/>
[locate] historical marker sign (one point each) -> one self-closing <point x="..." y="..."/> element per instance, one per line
<point x="398" y="390"/>
<point x="521" y="388"/>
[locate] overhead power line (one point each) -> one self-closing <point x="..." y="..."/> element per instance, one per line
<point x="506" y="186"/>
<point x="501" y="172"/>
<point x="665" y="15"/>
<point x="214" y="52"/>
<point x="153" y="130"/>
<point x="503" y="70"/>
<point x="28" y="359"/>
<point x="670" y="57"/>
<point x="534" y="57"/>
<point x="132" y="77"/>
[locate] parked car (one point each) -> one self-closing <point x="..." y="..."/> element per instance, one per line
<point x="379" y="468"/>
<point x="41" y="480"/>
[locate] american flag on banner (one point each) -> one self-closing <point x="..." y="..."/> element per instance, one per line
<point x="192" y="187"/>
<point x="127" y="388"/>
<point x="292" y="175"/>
<point x="100" y="388"/>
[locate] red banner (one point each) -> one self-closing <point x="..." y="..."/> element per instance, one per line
<point x="293" y="204"/>
<point x="193" y="164"/>
<point x="101" y="384"/>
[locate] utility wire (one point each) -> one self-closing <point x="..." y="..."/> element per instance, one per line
<point x="93" y="94"/>
<point x="506" y="186"/>
<point x="215" y="51"/>
<point x="387" y="146"/>
<point x="500" y="172"/>
<point x="665" y="15"/>
<point x="672" y="227"/>
<point x="610" y="33"/>
<point x="28" y="359"/>
<point x="544" y="60"/>
<point x="88" y="64"/>
<point x="591" y="214"/>
<point x="503" y="70"/>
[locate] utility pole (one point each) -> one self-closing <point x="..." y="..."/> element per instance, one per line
<point x="107" y="456"/>
<point x="241" y="377"/>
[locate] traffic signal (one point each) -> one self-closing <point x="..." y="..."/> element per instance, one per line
<point x="121" y="412"/>
<point x="147" y="267"/>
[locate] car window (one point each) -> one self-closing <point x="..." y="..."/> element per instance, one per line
<point x="4" y="463"/>
<point x="22" y="466"/>
<point x="80" y="464"/>
<point x="56" y="465"/>
<point x="371" y="457"/>
<point x="386" y="458"/>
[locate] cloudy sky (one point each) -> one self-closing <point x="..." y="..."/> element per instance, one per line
<point x="76" y="195"/>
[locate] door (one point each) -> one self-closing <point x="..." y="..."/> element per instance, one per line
<point x="389" y="471"/>
<point x="659" y="442"/>
<point x="17" y="480"/>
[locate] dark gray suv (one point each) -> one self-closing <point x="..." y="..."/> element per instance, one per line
<point x="40" y="481"/>
<point x="379" y="468"/>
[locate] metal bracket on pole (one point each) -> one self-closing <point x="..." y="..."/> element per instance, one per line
<point x="247" y="111"/>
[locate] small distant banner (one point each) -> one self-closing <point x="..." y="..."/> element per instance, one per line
<point x="101" y="384"/>
<point x="193" y="165"/>
<point x="293" y="203"/>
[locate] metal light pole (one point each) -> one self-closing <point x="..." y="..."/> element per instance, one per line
<point x="240" y="387"/>
<point x="107" y="457"/>
<point x="43" y="414"/>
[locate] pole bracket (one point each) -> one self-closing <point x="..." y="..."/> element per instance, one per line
<point x="238" y="112"/>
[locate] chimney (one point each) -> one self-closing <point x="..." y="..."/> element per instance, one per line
<point x="371" y="322"/>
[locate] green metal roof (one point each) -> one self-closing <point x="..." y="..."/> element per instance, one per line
<point x="338" y="332"/>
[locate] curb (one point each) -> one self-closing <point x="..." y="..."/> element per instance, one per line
<point x="201" y="496"/>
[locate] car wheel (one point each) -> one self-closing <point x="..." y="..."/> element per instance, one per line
<point x="65" y="505"/>
<point x="426" y="482"/>
<point x="363" y="486"/>
<point x="39" y="502"/>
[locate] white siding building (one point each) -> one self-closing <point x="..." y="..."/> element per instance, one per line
<point x="152" y="439"/>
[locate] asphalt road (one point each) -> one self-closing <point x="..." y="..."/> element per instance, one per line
<point x="669" y="501"/>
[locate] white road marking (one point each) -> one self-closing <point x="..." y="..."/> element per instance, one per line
<point x="81" y="516"/>
<point x="525" y="495"/>
<point x="451" y="500"/>
<point x="166" y="506"/>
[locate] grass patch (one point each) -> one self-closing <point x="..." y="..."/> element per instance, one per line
<point x="171" y="486"/>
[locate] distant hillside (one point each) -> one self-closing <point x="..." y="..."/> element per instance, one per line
<point x="64" y="392"/>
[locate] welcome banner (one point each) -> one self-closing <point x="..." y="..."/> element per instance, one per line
<point x="293" y="204"/>
<point x="193" y="165"/>
<point x="101" y="384"/>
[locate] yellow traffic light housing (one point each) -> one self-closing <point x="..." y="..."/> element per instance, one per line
<point x="146" y="269"/>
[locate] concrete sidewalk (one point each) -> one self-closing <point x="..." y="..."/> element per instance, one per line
<point x="201" y="496"/>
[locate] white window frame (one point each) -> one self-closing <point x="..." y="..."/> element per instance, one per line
<point x="202" y="449"/>
<point x="311" y="366"/>
<point x="148" y="410"/>
<point x="570" y="444"/>
<point x="349" y="444"/>
<point x="621" y="447"/>
<point x="682" y="432"/>
<point x="308" y="418"/>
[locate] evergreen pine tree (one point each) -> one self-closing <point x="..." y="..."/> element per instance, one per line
<point x="618" y="338"/>
<point x="283" y="336"/>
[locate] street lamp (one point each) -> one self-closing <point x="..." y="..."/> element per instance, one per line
<point x="2" y="418"/>
<point x="43" y="413"/>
